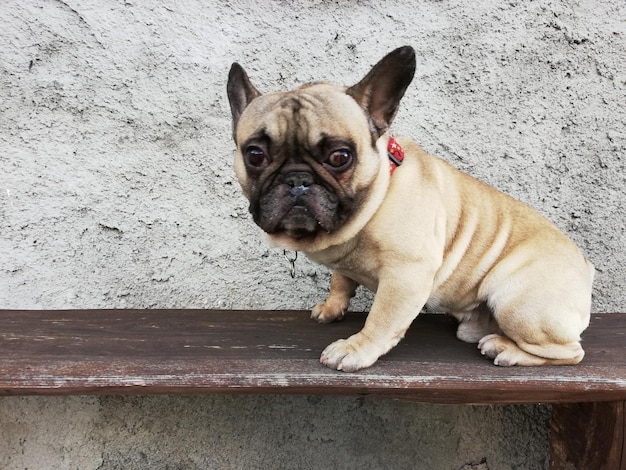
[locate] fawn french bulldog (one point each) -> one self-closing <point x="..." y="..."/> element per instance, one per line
<point x="324" y="176"/>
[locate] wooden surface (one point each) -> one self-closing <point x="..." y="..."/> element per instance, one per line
<point x="210" y="351"/>
<point x="588" y="436"/>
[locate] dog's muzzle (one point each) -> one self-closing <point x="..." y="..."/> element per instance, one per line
<point x="298" y="191"/>
<point x="299" y="183"/>
<point x="295" y="179"/>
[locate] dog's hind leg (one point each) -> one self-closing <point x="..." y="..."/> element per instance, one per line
<point x="506" y="352"/>
<point x="475" y="324"/>
<point x="542" y="305"/>
<point x="536" y="331"/>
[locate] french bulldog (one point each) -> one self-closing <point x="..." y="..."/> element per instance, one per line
<point x="324" y="176"/>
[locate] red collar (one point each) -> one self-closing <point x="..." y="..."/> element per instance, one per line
<point x="395" y="154"/>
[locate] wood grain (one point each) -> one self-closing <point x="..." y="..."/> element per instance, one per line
<point x="213" y="351"/>
<point x="588" y="435"/>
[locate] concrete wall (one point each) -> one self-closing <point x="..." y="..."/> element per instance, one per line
<point x="116" y="190"/>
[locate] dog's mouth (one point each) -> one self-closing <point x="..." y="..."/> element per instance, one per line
<point x="299" y="222"/>
<point x="298" y="211"/>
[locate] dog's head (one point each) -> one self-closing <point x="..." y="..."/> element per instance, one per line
<point x="310" y="160"/>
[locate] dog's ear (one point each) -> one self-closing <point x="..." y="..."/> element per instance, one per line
<point x="380" y="92"/>
<point x="240" y="92"/>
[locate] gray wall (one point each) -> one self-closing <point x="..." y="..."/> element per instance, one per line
<point x="116" y="191"/>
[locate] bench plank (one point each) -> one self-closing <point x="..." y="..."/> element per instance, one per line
<point x="213" y="351"/>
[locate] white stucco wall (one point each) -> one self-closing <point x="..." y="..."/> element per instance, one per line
<point x="116" y="190"/>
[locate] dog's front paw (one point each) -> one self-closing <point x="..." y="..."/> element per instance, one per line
<point x="349" y="355"/>
<point x="326" y="312"/>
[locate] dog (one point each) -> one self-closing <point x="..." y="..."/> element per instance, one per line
<point x="324" y="176"/>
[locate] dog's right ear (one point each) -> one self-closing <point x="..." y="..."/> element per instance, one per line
<point x="240" y="92"/>
<point x="380" y="92"/>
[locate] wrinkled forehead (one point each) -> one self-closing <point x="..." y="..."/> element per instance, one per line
<point x="306" y="114"/>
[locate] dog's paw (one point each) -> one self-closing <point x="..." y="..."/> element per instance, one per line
<point x="348" y="355"/>
<point x="501" y="349"/>
<point x="325" y="312"/>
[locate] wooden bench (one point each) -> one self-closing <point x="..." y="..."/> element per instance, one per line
<point x="212" y="351"/>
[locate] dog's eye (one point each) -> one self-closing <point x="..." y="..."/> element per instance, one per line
<point x="256" y="157"/>
<point x="339" y="159"/>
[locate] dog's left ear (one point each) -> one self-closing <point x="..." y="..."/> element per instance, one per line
<point x="380" y="92"/>
<point x="240" y="92"/>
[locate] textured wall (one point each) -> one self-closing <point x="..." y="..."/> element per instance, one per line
<point x="116" y="190"/>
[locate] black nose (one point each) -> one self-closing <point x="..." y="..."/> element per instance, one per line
<point x="299" y="191"/>
<point x="298" y="179"/>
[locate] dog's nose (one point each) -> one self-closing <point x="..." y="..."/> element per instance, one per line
<point x="299" y="191"/>
<point x="299" y="179"/>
